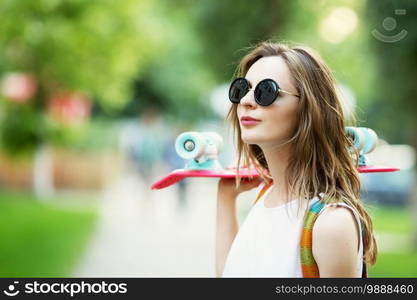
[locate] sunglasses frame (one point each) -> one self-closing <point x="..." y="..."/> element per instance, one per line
<point x="279" y="90"/>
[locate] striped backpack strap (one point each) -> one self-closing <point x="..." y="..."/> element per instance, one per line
<point x="308" y="264"/>
<point x="263" y="190"/>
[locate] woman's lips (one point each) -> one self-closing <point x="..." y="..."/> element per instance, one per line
<point x="249" y="122"/>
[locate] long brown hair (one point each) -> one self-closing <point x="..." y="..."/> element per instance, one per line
<point x="325" y="162"/>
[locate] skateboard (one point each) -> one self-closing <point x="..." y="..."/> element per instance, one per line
<point x="180" y="174"/>
<point x="201" y="150"/>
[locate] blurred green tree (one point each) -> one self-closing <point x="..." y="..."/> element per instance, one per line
<point x="180" y="80"/>
<point x="394" y="109"/>
<point x="68" y="54"/>
<point x="201" y="48"/>
<point x="338" y="31"/>
<point x="225" y="28"/>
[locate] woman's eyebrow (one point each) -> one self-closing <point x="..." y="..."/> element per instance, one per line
<point x="250" y="83"/>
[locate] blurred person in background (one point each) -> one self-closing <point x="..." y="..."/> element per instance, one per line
<point x="144" y="143"/>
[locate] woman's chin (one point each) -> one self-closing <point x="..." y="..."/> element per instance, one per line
<point x="250" y="139"/>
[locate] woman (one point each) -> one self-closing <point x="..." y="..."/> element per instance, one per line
<point x="289" y="123"/>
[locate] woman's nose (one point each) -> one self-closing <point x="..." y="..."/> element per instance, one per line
<point x="248" y="99"/>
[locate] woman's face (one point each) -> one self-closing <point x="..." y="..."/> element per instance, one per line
<point x="278" y="120"/>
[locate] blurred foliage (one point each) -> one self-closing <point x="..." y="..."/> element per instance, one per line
<point x="130" y="55"/>
<point x="347" y="54"/>
<point x="396" y="221"/>
<point x="227" y="27"/>
<point x="393" y="109"/>
<point x="21" y="128"/>
<point x="179" y="81"/>
<point x="395" y="265"/>
<point x="95" y="47"/>
<point x="392" y="219"/>
<point x="39" y="239"/>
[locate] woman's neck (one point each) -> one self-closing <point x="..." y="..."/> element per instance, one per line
<point x="278" y="159"/>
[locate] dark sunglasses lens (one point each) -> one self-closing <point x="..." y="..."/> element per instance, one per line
<point x="238" y="89"/>
<point x="266" y="92"/>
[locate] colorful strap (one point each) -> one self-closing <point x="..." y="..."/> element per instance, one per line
<point x="308" y="264"/>
<point x="263" y="190"/>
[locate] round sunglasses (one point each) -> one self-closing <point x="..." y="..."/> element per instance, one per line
<point x="266" y="91"/>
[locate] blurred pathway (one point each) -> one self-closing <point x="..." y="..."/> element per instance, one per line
<point x="145" y="233"/>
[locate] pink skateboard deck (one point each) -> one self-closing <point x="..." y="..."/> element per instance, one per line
<point x="180" y="174"/>
<point x="376" y="169"/>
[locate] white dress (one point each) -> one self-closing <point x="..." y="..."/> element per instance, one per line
<point x="268" y="242"/>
